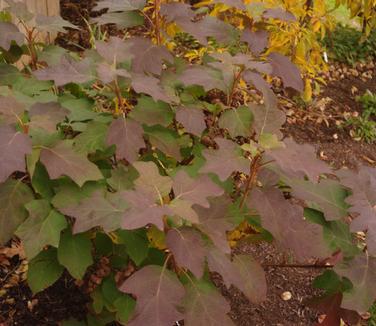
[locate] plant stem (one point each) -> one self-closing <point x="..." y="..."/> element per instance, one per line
<point x="234" y="85"/>
<point x="297" y="266"/>
<point x="253" y="170"/>
<point x="157" y="24"/>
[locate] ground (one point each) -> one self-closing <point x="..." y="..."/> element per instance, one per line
<point x="316" y="124"/>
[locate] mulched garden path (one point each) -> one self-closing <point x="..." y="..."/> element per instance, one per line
<point x="316" y="124"/>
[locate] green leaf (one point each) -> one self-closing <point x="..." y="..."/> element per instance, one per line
<point x="74" y="253"/>
<point x="125" y="306"/>
<point x="41" y="182"/>
<point x="121" y="19"/>
<point x="44" y="270"/>
<point x="122" y="178"/>
<point x="136" y="242"/>
<point x="41" y="228"/>
<point x="150" y="112"/>
<point x="237" y="121"/>
<point x="13" y="196"/>
<point x="166" y="140"/>
<point x="91" y="139"/>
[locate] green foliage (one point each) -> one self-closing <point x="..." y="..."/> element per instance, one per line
<point x="121" y="154"/>
<point x="346" y="44"/>
<point x="365" y="124"/>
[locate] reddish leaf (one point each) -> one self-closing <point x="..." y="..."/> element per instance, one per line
<point x="243" y="272"/>
<point x="147" y="57"/>
<point x="257" y="41"/>
<point x="286" y="223"/>
<point x="119" y="5"/>
<point x="361" y="271"/>
<point x="206" y="77"/>
<point x="14" y="146"/>
<point x="284" y="68"/>
<point x="97" y="210"/>
<point x="47" y="115"/>
<point x="193" y="120"/>
<point x="362" y="201"/>
<point x="63" y="160"/>
<point x="108" y="73"/>
<point x="158" y="292"/>
<point x="11" y="110"/>
<point x="205" y="306"/>
<point x="67" y="71"/>
<point x="279" y="13"/>
<point x="188" y="248"/>
<point x="149" y="85"/>
<point x="214" y="221"/>
<point x="297" y="160"/>
<point x="260" y="84"/>
<point x="143" y="210"/>
<point x="8" y="33"/>
<point x="150" y="181"/>
<point x="127" y="135"/>
<point x="226" y="160"/>
<point x="331" y="306"/>
<point x="267" y="119"/>
<point x="114" y="51"/>
<point x="189" y="191"/>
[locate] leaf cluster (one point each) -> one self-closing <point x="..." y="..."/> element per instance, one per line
<point x="122" y="152"/>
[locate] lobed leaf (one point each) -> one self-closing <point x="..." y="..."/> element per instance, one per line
<point x="14" y="146"/>
<point x="62" y="159"/>
<point x="158" y="292"/>
<point x="13" y="196"/>
<point x="8" y="33"/>
<point x="127" y="135"/>
<point x="226" y="160"/>
<point x="188" y="248"/>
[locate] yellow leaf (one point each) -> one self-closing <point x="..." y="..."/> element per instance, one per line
<point x="156" y="238"/>
<point x="307" y="94"/>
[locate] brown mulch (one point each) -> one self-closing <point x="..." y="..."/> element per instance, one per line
<point x="275" y="311"/>
<point x="317" y="124"/>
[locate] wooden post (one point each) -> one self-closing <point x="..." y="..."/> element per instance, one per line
<point x="42" y="7"/>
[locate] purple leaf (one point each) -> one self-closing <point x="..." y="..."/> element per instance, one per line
<point x="8" y="33"/>
<point x="127" y="135"/>
<point x="151" y="86"/>
<point x="189" y="191"/>
<point x="11" y="110"/>
<point x="286" y="223"/>
<point x="243" y="272"/>
<point x="119" y="5"/>
<point x="279" y="13"/>
<point x="63" y="160"/>
<point x="150" y="181"/>
<point x="362" y="201"/>
<point x="267" y="119"/>
<point x="52" y="24"/>
<point x="147" y="57"/>
<point x="67" y="71"/>
<point x="206" y="77"/>
<point x="114" y="51"/>
<point x="14" y="146"/>
<point x="159" y="294"/>
<point x="225" y="160"/>
<point x="204" y="305"/>
<point x="107" y="73"/>
<point x="188" y="248"/>
<point x="257" y="41"/>
<point x="97" y="210"/>
<point x="260" y="84"/>
<point x="297" y="160"/>
<point x="361" y="271"/>
<point x="192" y="119"/>
<point x="47" y="115"/>
<point x="143" y="210"/>
<point x="214" y="221"/>
<point x="284" y="68"/>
